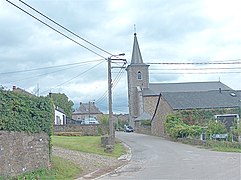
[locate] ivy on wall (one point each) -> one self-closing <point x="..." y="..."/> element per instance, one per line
<point x="22" y="112"/>
<point x="202" y="116"/>
<point x="192" y="123"/>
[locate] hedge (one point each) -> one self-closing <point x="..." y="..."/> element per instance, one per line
<point x="25" y="113"/>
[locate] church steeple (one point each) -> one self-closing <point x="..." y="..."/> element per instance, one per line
<point x="136" y="53"/>
<point x="138" y="79"/>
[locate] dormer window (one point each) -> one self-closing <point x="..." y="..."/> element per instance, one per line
<point x="139" y="75"/>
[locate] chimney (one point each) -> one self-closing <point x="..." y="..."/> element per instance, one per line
<point x="220" y="90"/>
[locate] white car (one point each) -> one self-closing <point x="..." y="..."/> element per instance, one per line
<point x="91" y="121"/>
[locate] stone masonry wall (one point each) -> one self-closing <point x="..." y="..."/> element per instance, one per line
<point x="157" y="125"/>
<point x="150" y="104"/>
<point x="83" y="130"/>
<point x="142" y="129"/>
<point x="21" y="152"/>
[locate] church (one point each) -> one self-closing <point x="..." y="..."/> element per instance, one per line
<point x="153" y="101"/>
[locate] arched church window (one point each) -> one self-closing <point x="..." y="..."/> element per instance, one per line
<point x="139" y="75"/>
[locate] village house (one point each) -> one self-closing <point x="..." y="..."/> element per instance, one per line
<point x="22" y="91"/>
<point x="86" y="111"/>
<point x="59" y="116"/>
<point x="153" y="101"/>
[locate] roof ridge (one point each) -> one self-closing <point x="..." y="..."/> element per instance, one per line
<point x="187" y="82"/>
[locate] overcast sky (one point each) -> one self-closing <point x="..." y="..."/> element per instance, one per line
<point x="167" y="31"/>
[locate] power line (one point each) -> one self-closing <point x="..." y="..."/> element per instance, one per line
<point x="198" y="73"/>
<point x="114" y="83"/>
<point x="198" y="63"/>
<point x="65" y="28"/>
<point x="177" y="69"/>
<point x="55" y="29"/>
<point x="48" y="67"/>
<point x="40" y="75"/>
<point x="65" y="82"/>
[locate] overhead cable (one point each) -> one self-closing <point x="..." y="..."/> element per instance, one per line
<point x="197" y="73"/>
<point x="65" y="82"/>
<point x="192" y="69"/>
<point x="65" y="28"/>
<point x="193" y="63"/>
<point x="55" y="29"/>
<point x="40" y="75"/>
<point x="48" y="67"/>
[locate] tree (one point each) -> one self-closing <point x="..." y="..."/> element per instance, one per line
<point x="62" y="101"/>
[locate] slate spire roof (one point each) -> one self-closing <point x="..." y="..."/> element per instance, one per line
<point x="136" y="53"/>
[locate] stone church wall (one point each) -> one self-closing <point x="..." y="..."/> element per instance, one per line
<point x="157" y="126"/>
<point x="150" y="104"/>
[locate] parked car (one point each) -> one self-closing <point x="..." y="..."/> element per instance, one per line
<point x="128" y="128"/>
<point x="90" y="121"/>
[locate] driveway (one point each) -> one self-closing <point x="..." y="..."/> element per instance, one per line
<point x="156" y="158"/>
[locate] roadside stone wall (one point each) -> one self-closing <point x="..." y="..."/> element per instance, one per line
<point x="21" y="152"/>
<point x="157" y="125"/>
<point x="142" y="129"/>
<point x="82" y="130"/>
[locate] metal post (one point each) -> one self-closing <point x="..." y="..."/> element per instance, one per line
<point x="111" y="128"/>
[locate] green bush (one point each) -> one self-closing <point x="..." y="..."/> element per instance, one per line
<point x="176" y="128"/>
<point x="194" y="130"/>
<point x="146" y="123"/>
<point x="22" y="112"/>
<point x="215" y="128"/>
<point x="104" y="119"/>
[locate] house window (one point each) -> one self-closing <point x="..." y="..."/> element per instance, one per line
<point x="58" y="120"/>
<point x="139" y="75"/>
<point x="64" y="119"/>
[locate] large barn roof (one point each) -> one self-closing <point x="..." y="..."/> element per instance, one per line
<point x="156" y="88"/>
<point x="202" y="99"/>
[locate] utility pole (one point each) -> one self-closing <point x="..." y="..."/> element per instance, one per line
<point x="111" y="125"/>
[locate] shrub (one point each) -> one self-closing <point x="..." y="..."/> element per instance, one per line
<point x="176" y="128"/>
<point x="21" y="112"/>
<point x="104" y="120"/>
<point x="195" y="131"/>
<point x="146" y="123"/>
<point x="215" y="128"/>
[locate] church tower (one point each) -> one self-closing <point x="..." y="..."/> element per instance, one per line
<point x="138" y="78"/>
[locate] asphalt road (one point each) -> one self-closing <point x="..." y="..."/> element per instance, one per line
<point x="157" y="158"/>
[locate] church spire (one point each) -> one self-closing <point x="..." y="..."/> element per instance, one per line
<point x="136" y="53"/>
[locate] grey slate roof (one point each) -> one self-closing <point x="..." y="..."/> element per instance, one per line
<point x="143" y="116"/>
<point x="87" y="108"/>
<point x="202" y="99"/>
<point x="136" y="53"/>
<point x="59" y="109"/>
<point x="156" y="88"/>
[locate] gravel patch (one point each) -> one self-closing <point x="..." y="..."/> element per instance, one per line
<point x="93" y="165"/>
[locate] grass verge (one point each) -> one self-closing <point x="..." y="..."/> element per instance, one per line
<point x="88" y="144"/>
<point x="61" y="169"/>
<point x="223" y="146"/>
